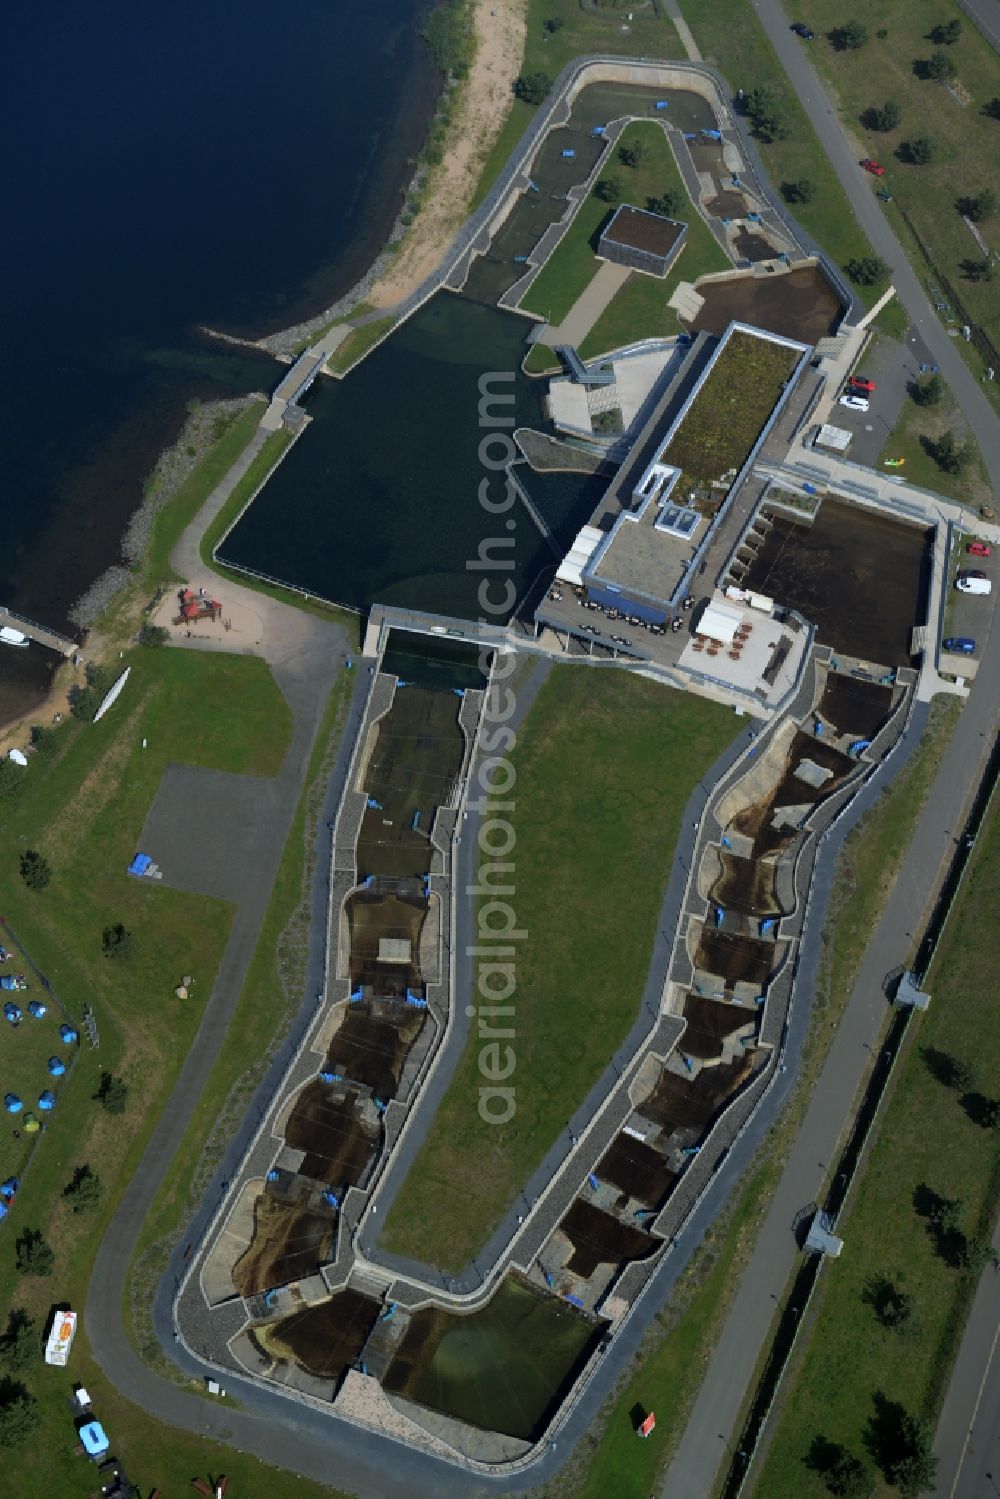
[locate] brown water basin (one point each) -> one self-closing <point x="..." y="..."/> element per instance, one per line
<point x="735" y="958"/>
<point x="328" y="1338"/>
<point x="799" y="304"/>
<point x="746" y="885"/>
<point x="854" y="706"/>
<point x="288" y="1244"/>
<point x="709" y="1022"/>
<point x="638" y="1170"/>
<point x="372" y="1044"/>
<point x="337" y="1144"/>
<point x="374" y="918"/>
<point x="676" y="1103"/>
<point x="600" y="1239"/>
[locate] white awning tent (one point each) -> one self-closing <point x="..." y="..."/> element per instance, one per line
<point x="719" y="622"/>
<point x="570" y="569"/>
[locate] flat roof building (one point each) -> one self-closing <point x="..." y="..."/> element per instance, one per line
<point x="641" y="240"/>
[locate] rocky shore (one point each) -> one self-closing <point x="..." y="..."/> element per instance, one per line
<point x="200" y="431"/>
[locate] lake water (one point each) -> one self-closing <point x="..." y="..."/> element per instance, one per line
<point x="379" y="500"/>
<point x="168" y="166"/>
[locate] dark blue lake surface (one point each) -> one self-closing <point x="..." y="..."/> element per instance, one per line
<point x="379" y="500"/>
<point x="167" y="166"/>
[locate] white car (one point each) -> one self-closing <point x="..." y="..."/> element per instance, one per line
<point x="855" y="403"/>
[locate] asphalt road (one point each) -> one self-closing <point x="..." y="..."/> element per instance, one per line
<point x="730" y="1371"/>
<point x="986" y="15"/>
<point x="967" y="1443"/>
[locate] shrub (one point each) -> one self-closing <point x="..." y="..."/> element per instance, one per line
<point x="153" y="635"/>
<point x="948" y="453"/>
<point x="992" y="108"/>
<point x="609" y="190"/>
<point x="981" y="206"/>
<point x="117" y="941"/>
<point x="921" y="150"/>
<point x="19" y="1415"/>
<point x="11" y="778"/>
<point x="767" y="113"/>
<point x="43" y="739"/>
<point x="36" y="872"/>
<point x="929" y="391"/>
<point x="34" y="1255"/>
<point x="533" y="87"/>
<point x="112" y="1093"/>
<point x="884" y="116"/>
<point x="802" y="191"/>
<point x="939" y="65"/>
<point x="632" y="154"/>
<point x="947" y="33"/>
<point x="868" y="270"/>
<point x="83" y="1192"/>
<point x="19" y="1345"/>
<point x="850" y="36"/>
<point x="669" y="204"/>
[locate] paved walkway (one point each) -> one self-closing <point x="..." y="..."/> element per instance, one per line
<point x="588" y="307"/>
<point x="967" y="1442"/>
<point x="684" y="31"/>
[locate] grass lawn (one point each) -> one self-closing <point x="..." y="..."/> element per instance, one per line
<point x="540" y="360"/>
<point x="573" y="265"/>
<point x="357" y="343"/>
<point x="849" y="1356"/>
<point x="605" y="764"/>
<point x="640" y="309"/>
<point x="272" y="993"/>
<point x="274" y="447"/>
<point x="729" y="35"/>
<point x="24" y="1053"/>
<point x="967" y="158"/>
<point x="83" y="805"/>
<point x="917" y="425"/>
<point x="579" y="32"/>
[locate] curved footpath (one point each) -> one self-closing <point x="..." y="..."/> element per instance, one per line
<point x="731" y="1369"/>
<point x="305" y="654"/>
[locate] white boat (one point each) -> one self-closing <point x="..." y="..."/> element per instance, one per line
<point x="9" y="636"/>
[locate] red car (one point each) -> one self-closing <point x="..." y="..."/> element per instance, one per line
<point x="979" y="549"/>
<point x="858" y="382"/>
<point x="873" y="167"/>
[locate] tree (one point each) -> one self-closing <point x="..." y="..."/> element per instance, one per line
<point x="868" y="270"/>
<point x="973" y="1255"/>
<point x="34" y="1256"/>
<point x="802" y="191"/>
<point x="83" y="1192"/>
<point x="112" y="1093"/>
<point x="35" y="869"/>
<point x="978" y="270"/>
<point x="884" y="116"/>
<point x="982" y="206"/>
<point x="153" y="635"/>
<point x="609" y="190"/>
<point x="117" y="941"/>
<point x="892" y="1306"/>
<point x="669" y="204"/>
<point x="948" y="453"/>
<point x="914" y="1470"/>
<point x="946" y="1215"/>
<point x="19" y="1415"/>
<point x="556" y="23"/>
<point x="533" y="87"/>
<point x="921" y="150"/>
<point x="632" y="154"/>
<point x="847" y="1476"/>
<point x="929" y="391"/>
<point x="767" y="113"/>
<point x="19" y="1344"/>
<point x="992" y="108"/>
<point x="850" y="36"/>
<point x="940" y="66"/>
<point x="947" y="33"/>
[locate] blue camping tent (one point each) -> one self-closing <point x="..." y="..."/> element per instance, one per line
<point x="12" y="1013"/>
<point x="140" y="864"/>
<point x="46" y="1100"/>
<point x="3" y="1211"/>
<point x="9" y="1187"/>
<point x="56" y="1066"/>
<point x="12" y="1103"/>
<point x="94" y="1439"/>
<point x="67" y="1034"/>
<point x="10" y="981"/>
<point x="37" y="1009"/>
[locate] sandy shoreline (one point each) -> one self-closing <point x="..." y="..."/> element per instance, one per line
<point x="479" y="116"/>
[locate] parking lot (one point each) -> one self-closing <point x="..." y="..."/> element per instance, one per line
<point x="893" y="365"/>
<point x="968" y="613"/>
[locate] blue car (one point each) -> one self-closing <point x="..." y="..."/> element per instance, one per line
<point x="959" y="645"/>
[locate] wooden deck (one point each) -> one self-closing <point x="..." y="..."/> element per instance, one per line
<point x="49" y="638"/>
